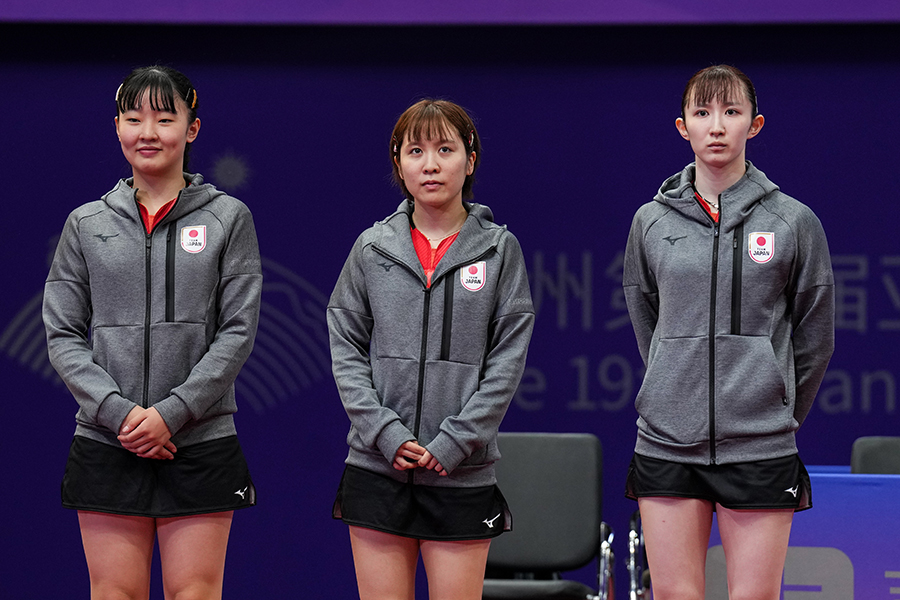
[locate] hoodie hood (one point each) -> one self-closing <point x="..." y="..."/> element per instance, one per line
<point x="195" y="195"/>
<point x="737" y="201"/>
<point x="477" y="236"/>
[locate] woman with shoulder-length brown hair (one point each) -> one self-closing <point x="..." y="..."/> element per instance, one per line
<point x="429" y="325"/>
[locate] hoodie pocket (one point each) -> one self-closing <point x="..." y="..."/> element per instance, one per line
<point x="395" y="381"/>
<point x="448" y="386"/>
<point x="751" y="394"/>
<point x="673" y="401"/>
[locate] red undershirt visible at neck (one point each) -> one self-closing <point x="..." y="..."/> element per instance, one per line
<point x="151" y="220"/>
<point x="706" y="207"/>
<point x="428" y="256"/>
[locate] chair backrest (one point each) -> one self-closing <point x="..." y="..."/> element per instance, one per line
<point x="875" y="455"/>
<point x="553" y="484"/>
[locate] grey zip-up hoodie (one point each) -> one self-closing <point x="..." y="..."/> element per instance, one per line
<point x="439" y="365"/>
<point x="164" y="320"/>
<point x="734" y="321"/>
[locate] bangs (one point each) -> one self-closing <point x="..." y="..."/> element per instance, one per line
<point x="430" y="124"/>
<point x="724" y="89"/>
<point x="161" y="88"/>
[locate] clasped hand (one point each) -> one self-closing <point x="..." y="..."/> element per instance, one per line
<point x="145" y="433"/>
<point x="411" y="455"/>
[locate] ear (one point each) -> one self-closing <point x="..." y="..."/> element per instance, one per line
<point x="756" y="125"/>
<point x="116" y="122"/>
<point x="399" y="170"/>
<point x="682" y="128"/>
<point x="470" y="165"/>
<point x="193" y="130"/>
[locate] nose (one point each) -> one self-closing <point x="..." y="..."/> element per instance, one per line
<point x="431" y="164"/>
<point x="718" y="123"/>
<point x="148" y="130"/>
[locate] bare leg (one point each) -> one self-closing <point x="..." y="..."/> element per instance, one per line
<point x="192" y="553"/>
<point x="455" y="569"/>
<point x="118" y="550"/>
<point x="385" y="564"/>
<point x="676" y="534"/>
<point x="755" y="544"/>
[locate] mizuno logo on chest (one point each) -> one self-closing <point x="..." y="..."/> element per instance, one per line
<point x="672" y="240"/>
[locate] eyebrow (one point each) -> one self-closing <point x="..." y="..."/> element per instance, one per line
<point x="723" y="102"/>
<point x="441" y="140"/>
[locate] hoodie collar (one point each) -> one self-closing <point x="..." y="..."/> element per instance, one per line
<point x="735" y="203"/>
<point x="195" y="195"/>
<point x="477" y="235"/>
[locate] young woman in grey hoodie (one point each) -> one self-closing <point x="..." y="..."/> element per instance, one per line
<point x="730" y="290"/>
<point x="151" y="307"/>
<point x="429" y="325"/>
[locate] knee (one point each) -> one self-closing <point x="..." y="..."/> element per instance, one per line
<point x="677" y="590"/>
<point x="195" y="591"/>
<point x="756" y="593"/>
<point x="110" y="591"/>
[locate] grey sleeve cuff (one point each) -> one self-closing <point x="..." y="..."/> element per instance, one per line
<point x="113" y="411"/>
<point x="174" y="412"/>
<point x="391" y="438"/>
<point x="446" y="451"/>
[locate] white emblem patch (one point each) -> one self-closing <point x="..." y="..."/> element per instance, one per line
<point x="193" y="239"/>
<point x="761" y="246"/>
<point x="472" y="276"/>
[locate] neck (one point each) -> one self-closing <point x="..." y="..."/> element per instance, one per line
<point x="711" y="181"/>
<point x="154" y="192"/>
<point x="436" y="223"/>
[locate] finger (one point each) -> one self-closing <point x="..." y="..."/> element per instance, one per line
<point x="132" y="423"/>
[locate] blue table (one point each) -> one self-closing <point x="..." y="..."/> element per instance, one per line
<point x="846" y="547"/>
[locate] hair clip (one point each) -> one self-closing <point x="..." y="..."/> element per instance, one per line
<point x="119" y="91"/>
<point x="471" y="138"/>
<point x="395" y="146"/>
<point x="194" y="103"/>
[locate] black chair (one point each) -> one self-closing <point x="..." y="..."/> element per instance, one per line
<point x="553" y="484"/>
<point x="876" y="455"/>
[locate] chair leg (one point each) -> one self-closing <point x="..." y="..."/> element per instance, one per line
<point x="605" y="577"/>
<point x="638" y="569"/>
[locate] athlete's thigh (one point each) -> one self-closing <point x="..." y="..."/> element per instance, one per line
<point x="755" y="544"/>
<point x="676" y="536"/>
<point x="119" y="550"/>
<point x="192" y="553"/>
<point x="455" y="569"/>
<point x="385" y="564"/>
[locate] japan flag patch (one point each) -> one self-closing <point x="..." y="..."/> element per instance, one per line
<point x="472" y="276"/>
<point x="193" y="239"/>
<point x="761" y="246"/>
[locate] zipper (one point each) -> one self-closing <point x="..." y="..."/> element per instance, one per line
<point x="148" y="246"/>
<point x="420" y="388"/>
<point x="712" y="338"/>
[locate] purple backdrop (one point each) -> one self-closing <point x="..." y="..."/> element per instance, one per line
<point x="416" y="12"/>
<point x="578" y="130"/>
